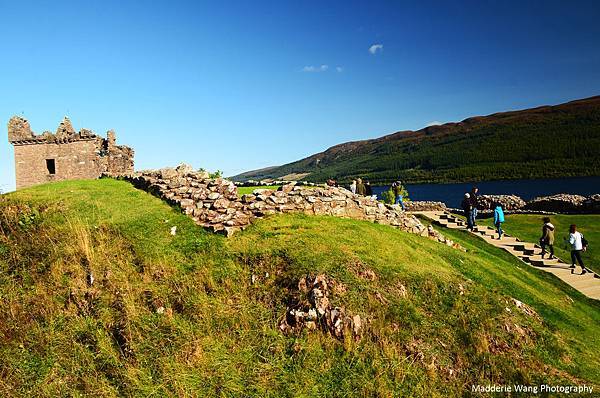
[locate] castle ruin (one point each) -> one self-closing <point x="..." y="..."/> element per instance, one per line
<point x="65" y="155"/>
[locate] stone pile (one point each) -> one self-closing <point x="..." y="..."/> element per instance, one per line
<point x="508" y="202"/>
<point x="215" y="204"/>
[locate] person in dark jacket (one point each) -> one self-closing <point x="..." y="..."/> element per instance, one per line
<point x="467" y="206"/>
<point x="547" y="239"/>
<point x="474" y="202"/>
<point x="368" y="189"/>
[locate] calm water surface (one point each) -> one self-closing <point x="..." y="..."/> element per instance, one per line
<point x="452" y="194"/>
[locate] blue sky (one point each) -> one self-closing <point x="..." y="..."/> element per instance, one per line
<point x="242" y="85"/>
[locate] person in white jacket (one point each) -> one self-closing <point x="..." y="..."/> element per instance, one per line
<point x="576" y="241"/>
<point x="353" y="186"/>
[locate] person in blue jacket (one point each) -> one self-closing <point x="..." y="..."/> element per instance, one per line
<point x="498" y="219"/>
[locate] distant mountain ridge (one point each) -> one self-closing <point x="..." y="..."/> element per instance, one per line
<point x="547" y="141"/>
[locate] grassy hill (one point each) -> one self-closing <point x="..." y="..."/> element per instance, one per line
<point x="544" y="142"/>
<point x="179" y="315"/>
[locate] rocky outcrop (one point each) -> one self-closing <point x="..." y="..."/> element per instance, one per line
<point x="316" y="312"/>
<point x="508" y="202"/>
<point x="215" y="205"/>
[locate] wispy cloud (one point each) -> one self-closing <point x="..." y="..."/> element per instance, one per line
<point x="434" y="123"/>
<point x="375" y="48"/>
<point x="339" y="69"/>
<point x="311" y="68"/>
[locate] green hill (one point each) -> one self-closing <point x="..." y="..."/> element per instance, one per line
<point x="544" y="142"/>
<point x="195" y="314"/>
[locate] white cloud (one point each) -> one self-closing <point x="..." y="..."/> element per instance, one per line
<point x="375" y="48"/>
<point x="434" y="123"/>
<point x="310" y="68"/>
<point x="339" y="69"/>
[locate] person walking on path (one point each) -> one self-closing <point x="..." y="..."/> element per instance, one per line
<point x="498" y="219"/>
<point x="353" y="186"/>
<point x="578" y="245"/>
<point x="547" y="239"/>
<point x="360" y="187"/>
<point x="398" y="189"/>
<point x="474" y="202"/>
<point x="467" y="206"/>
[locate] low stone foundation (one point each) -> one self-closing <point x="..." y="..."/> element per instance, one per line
<point x="215" y="204"/>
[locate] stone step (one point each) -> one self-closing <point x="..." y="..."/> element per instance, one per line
<point x="539" y="262"/>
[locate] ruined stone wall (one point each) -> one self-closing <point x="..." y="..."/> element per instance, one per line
<point x="81" y="155"/>
<point x="215" y="205"/>
<point x="119" y="160"/>
<point x="73" y="160"/>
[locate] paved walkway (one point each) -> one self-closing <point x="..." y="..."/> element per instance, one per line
<point x="588" y="284"/>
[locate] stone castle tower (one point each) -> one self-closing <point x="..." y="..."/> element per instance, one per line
<point x="65" y="155"/>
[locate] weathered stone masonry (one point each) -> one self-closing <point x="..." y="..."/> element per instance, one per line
<point x="65" y="155"/>
<point x="215" y="204"/>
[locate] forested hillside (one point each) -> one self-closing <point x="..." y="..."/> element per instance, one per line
<point x="549" y="141"/>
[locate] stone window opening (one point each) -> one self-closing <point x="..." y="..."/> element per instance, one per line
<point x="51" y="166"/>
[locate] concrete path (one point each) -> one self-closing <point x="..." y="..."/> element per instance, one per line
<point x="588" y="284"/>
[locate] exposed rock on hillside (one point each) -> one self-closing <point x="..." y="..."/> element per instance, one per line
<point x="316" y="311"/>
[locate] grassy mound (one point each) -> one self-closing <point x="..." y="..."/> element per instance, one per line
<point x="196" y="314"/>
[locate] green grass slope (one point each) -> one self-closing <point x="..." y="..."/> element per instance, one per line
<point x="178" y="315"/>
<point x="549" y="141"/>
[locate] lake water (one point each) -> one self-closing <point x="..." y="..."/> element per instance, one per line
<point x="452" y="194"/>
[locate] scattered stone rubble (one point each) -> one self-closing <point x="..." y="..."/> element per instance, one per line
<point x="318" y="313"/>
<point x="215" y="205"/>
